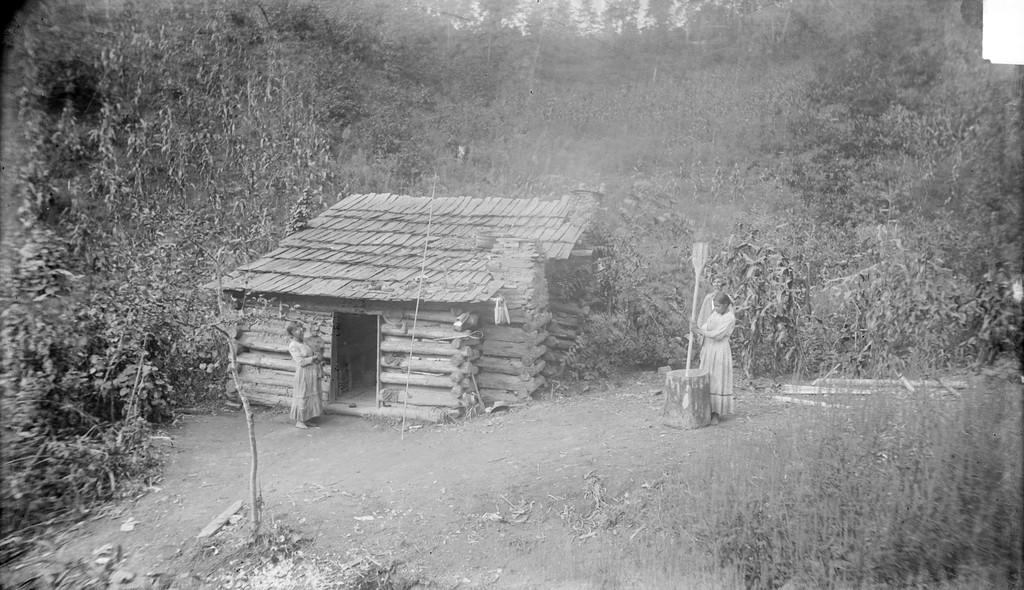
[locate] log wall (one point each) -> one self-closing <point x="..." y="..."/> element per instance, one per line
<point x="425" y="361"/>
<point x="511" y="355"/>
<point x="265" y="368"/>
<point x="563" y="330"/>
<point x="439" y="372"/>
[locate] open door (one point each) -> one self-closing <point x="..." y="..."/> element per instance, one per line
<point x="354" y="351"/>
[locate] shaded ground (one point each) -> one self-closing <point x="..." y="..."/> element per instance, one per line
<point x="434" y="499"/>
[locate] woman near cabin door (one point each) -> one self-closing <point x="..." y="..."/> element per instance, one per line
<point x="716" y="356"/>
<point x="306" y="402"/>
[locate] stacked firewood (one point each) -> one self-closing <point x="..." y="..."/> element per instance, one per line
<point x="265" y="368"/>
<point x="564" y="328"/>
<point x="513" y="348"/>
<point x="426" y="361"/>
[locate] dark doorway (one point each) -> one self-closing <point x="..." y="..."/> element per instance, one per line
<point x="354" y="352"/>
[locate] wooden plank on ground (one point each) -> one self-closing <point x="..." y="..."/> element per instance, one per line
<point x="791" y="389"/>
<point x="221" y="519"/>
<point x="805" y="402"/>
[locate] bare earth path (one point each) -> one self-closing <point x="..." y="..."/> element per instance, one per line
<point x="353" y="482"/>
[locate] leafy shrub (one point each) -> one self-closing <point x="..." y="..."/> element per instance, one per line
<point x="74" y="409"/>
<point x="770" y="299"/>
<point x="636" y="301"/>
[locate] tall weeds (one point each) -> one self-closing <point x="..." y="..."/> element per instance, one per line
<point x="897" y="491"/>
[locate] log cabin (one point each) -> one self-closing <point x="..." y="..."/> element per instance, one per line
<point x="428" y="307"/>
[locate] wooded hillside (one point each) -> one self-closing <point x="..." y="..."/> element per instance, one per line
<point x="856" y="167"/>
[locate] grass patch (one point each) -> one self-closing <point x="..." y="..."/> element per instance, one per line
<point x="922" y="492"/>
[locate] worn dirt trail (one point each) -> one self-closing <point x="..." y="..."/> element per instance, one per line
<point x="353" y="482"/>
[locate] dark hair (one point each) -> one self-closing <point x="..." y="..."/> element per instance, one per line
<point x="293" y="329"/>
<point x="723" y="299"/>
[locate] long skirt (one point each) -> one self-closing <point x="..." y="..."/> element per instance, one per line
<point x="716" y="357"/>
<point x="306" y="402"/>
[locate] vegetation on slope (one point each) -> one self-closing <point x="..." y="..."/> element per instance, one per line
<point x="856" y="176"/>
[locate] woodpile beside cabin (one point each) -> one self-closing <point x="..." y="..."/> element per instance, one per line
<point x="427" y="306"/>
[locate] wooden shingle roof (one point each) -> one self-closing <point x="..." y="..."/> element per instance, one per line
<point x="372" y="247"/>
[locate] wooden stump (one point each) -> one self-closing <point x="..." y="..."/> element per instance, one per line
<point x="687" y="399"/>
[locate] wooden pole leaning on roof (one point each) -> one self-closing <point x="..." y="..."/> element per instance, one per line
<point x="416" y="313"/>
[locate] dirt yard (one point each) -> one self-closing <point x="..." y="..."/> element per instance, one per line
<point x="471" y="505"/>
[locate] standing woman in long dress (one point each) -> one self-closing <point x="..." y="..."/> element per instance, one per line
<point x="708" y="305"/>
<point x="306" y="394"/>
<point x="716" y="355"/>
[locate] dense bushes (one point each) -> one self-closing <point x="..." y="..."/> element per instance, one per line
<point x="883" y="236"/>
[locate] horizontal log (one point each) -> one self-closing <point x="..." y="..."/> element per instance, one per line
<point x="421" y="397"/>
<point x="466" y="340"/>
<point x="425" y="332"/>
<point x="805" y="402"/>
<point x="275" y="342"/>
<point x="406" y="324"/>
<point x="837" y="383"/>
<point x="513" y="334"/>
<point x="567" y="308"/>
<point x="266" y="394"/>
<point x="430" y="414"/>
<point x="566" y="321"/>
<point x="439" y="320"/>
<point x="406" y="345"/>
<point x="271" y="361"/>
<point x="442" y="381"/>
<point x="256" y="341"/>
<point x="561" y="332"/>
<point x="441" y="366"/>
<point x="524" y="352"/>
<point x="264" y="398"/>
<point x="825" y="390"/>
<point x="489" y="396"/>
<point x="263" y="360"/>
<point x="507" y="366"/>
<point x="509" y="382"/>
<point x="248" y="374"/>
<point x="446" y="317"/>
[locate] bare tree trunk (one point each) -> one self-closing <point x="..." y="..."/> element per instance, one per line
<point x="254" y="496"/>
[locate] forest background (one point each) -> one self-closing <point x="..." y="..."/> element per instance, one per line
<point x="856" y="167"/>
